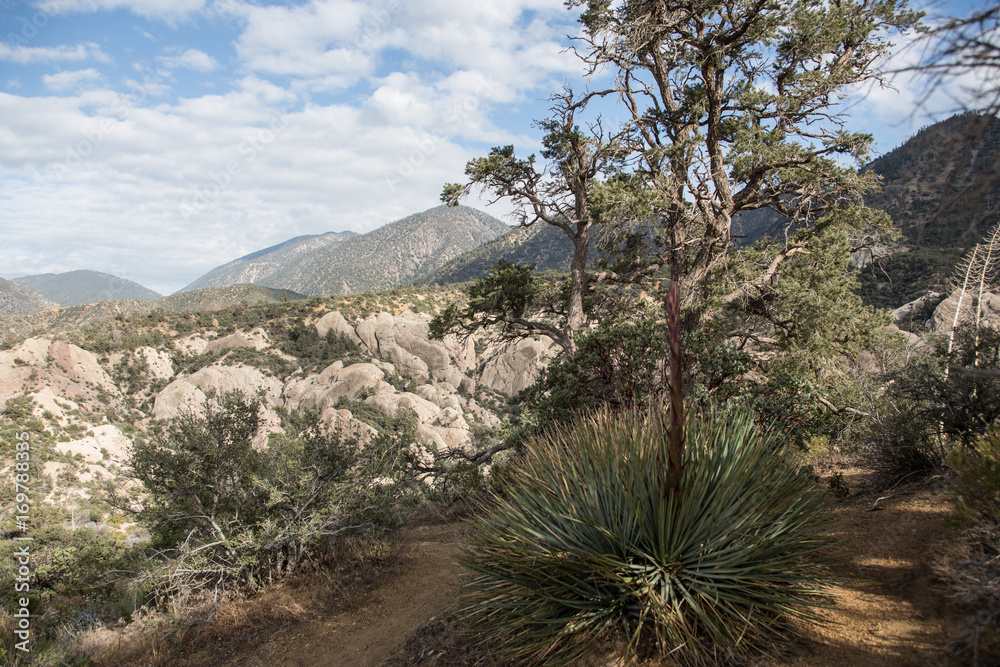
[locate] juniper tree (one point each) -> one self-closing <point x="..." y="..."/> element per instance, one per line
<point x="730" y="107"/>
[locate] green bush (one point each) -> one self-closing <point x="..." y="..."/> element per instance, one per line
<point x="956" y="403"/>
<point x="230" y="512"/>
<point x="974" y="576"/>
<point x="623" y="365"/>
<point x="587" y="542"/>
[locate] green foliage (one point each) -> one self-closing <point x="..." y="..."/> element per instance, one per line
<point x="586" y="542"/>
<point x="975" y="579"/>
<point x="959" y="404"/>
<point x="313" y="351"/>
<point x="623" y="365"/>
<point x="197" y="473"/>
<point x="810" y="310"/>
<point x="231" y="512"/>
<point x="502" y="296"/>
<point x="77" y="578"/>
<point x="401" y="426"/>
<point x="978" y="489"/>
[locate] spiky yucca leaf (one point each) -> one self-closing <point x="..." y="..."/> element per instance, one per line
<point x="585" y="543"/>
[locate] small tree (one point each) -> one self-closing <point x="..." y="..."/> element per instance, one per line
<point x="562" y="193"/>
<point x="223" y="510"/>
<point x="730" y="107"/>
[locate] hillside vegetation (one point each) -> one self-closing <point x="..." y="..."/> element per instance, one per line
<point x="18" y="300"/>
<point x="76" y="288"/>
<point x="394" y="254"/>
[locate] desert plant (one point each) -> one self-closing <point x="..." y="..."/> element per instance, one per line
<point x="223" y="510"/>
<point x="973" y="572"/>
<point x="587" y="541"/>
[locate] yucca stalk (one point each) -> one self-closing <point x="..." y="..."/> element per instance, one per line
<point x="675" y="468"/>
<point x="585" y="546"/>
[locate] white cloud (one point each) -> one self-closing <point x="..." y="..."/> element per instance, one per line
<point x="171" y="11"/>
<point x="312" y="40"/>
<point x="909" y="99"/>
<point x="70" y="79"/>
<point x="24" y="55"/>
<point x="190" y="59"/>
<point x="341" y="115"/>
<point x="195" y="184"/>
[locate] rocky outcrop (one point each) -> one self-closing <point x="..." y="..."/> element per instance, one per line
<point x="509" y="368"/>
<point x="67" y="371"/>
<point x="195" y="343"/>
<point x="916" y="315"/>
<point x="334" y="321"/>
<point x="188" y="394"/>
<point x="344" y="422"/>
<point x="944" y="314"/>
<point x="404" y="341"/>
<point x="335" y="382"/>
<point x="105" y="444"/>
<point x="256" y="339"/>
<point x="80" y="366"/>
<point x="157" y="362"/>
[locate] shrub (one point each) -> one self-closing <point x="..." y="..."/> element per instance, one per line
<point x="587" y="542"/>
<point x="974" y="575"/>
<point x="622" y="365"/>
<point x="960" y="404"/>
<point x="224" y="511"/>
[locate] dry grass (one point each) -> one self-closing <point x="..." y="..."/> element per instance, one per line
<point x="204" y="631"/>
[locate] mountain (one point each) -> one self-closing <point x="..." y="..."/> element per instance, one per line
<point x="927" y="181"/>
<point x="396" y="253"/>
<point x="929" y="189"/>
<point x="541" y="244"/>
<point x="260" y="267"/>
<point x="22" y="323"/>
<point x="77" y="288"/>
<point x="18" y="300"/>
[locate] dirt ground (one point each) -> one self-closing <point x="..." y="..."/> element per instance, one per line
<point x="889" y="609"/>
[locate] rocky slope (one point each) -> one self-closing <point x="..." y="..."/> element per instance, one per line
<point x="545" y="246"/>
<point x="77" y="288"/>
<point x="391" y="255"/>
<point x="90" y="407"/>
<point x="264" y="265"/>
<point x="18" y="300"/>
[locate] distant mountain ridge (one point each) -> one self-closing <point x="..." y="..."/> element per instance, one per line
<point x="18" y="300"/>
<point x="76" y="288"/>
<point x="541" y="244"/>
<point x="73" y="317"/>
<point x="918" y="178"/>
<point x="394" y="254"/>
<point x="261" y="267"/>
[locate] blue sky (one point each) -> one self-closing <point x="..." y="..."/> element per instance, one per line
<point x="157" y="139"/>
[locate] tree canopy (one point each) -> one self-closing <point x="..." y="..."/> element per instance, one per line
<point x="729" y="107"/>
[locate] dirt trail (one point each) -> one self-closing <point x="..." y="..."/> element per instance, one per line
<point x="422" y="589"/>
<point x="889" y="610"/>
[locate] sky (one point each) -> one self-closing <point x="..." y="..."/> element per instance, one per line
<point x="157" y="139"/>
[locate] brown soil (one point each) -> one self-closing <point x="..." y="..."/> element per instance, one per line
<point x="421" y="589"/>
<point x="889" y="610"/>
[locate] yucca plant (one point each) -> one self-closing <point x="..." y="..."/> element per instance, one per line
<point x="585" y="543"/>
